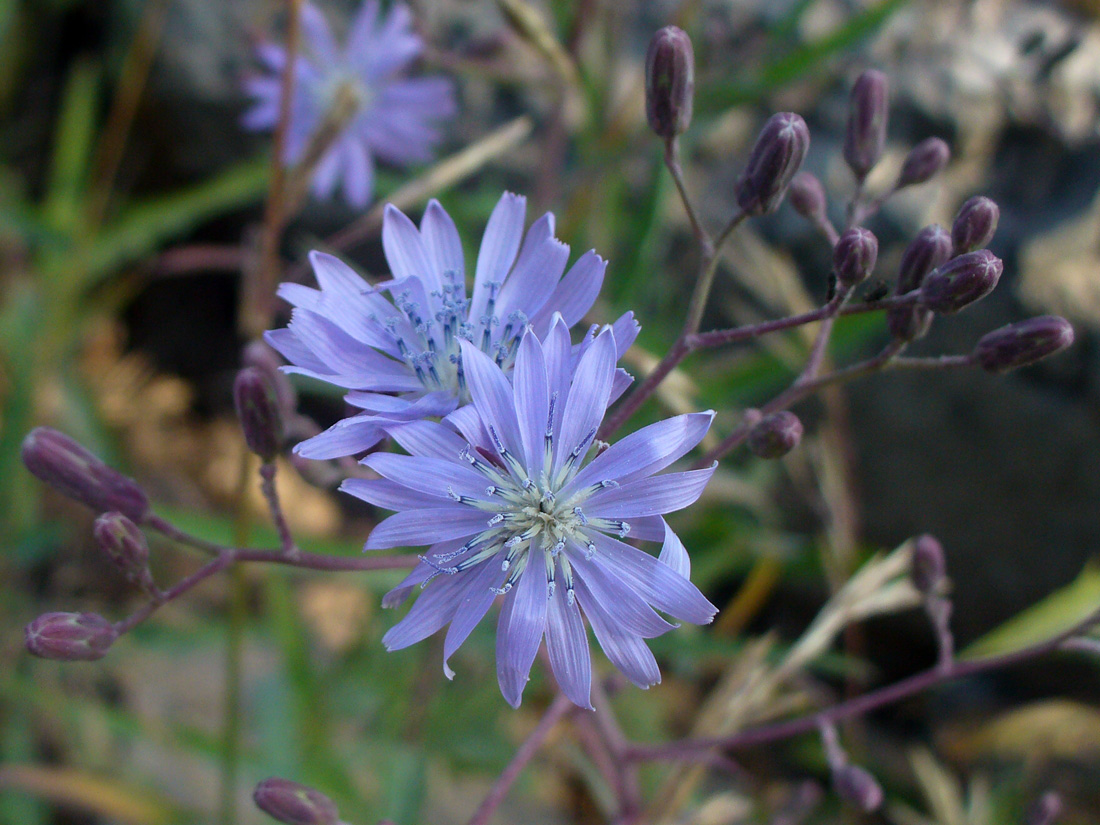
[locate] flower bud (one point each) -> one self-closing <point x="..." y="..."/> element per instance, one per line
<point x="929" y="249"/>
<point x="808" y="196"/>
<point x="854" y="256"/>
<point x="258" y="411"/>
<point x="66" y="465"/>
<point x="669" y="82"/>
<point x="775" y="435"/>
<point x="70" y="637"/>
<point x="775" y="159"/>
<point x="294" y="804"/>
<point x="125" y="545"/>
<point x="927" y="565"/>
<point x="924" y="161"/>
<point x="974" y="224"/>
<point x="1046" y="810"/>
<point x="259" y="354"/>
<point x="961" y="281"/>
<point x="1023" y="343"/>
<point x="855" y="785"/>
<point x="867" y="111"/>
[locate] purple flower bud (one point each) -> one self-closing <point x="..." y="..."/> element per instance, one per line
<point x="1046" y="810"/>
<point x="669" y="82"/>
<point x="931" y="248"/>
<point x="259" y="354"/>
<point x="1023" y="343"/>
<point x="294" y="804"/>
<point x="775" y="159"/>
<point x="855" y="785"/>
<point x="775" y="435"/>
<point x="974" y="224"/>
<point x="258" y="411"/>
<point x="924" y="161"/>
<point x="70" y="637"/>
<point x="125" y="545"/>
<point x="928" y="566"/>
<point x="66" y="465"/>
<point x="807" y="196"/>
<point x="854" y="256"/>
<point x="961" y="281"/>
<point x="867" y="111"/>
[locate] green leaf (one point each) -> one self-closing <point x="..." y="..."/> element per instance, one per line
<point x="72" y="149"/>
<point x="800" y="61"/>
<point x="1055" y="614"/>
<point x="144" y="226"/>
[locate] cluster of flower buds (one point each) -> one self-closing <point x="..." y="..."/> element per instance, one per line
<point x="70" y="637"/>
<point x="931" y="248"/>
<point x="294" y="804"/>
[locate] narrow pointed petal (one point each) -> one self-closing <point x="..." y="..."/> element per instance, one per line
<point x="435" y="607"/>
<point x="476" y="600"/>
<point x="645" y="448"/>
<point x="628" y="609"/>
<point x="427" y="438"/>
<point x="575" y="293"/>
<point x="538" y="269"/>
<point x="358" y="175"/>
<point x="519" y="631"/>
<point x="411" y="528"/>
<point x="492" y="396"/>
<point x="657" y="583"/>
<point x="626" y="330"/>
<point x="649" y="496"/>
<point x="626" y="651"/>
<point x="531" y="399"/>
<point x="674" y="554"/>
<point x="381" y="492"/>
<point x="499" y="246"/>
<point x="405" y="250"/>
<point x="557" y="351"/>
<point x="348" y="436"/>
<point x="443" y="243"/>
<point x="588" y="396"/>
<point x="567" y="645"/>
<point x="288" y="345"/>
<point x="433" y="476"/>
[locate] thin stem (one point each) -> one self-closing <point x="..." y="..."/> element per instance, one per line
<point x="708" y="267"/>
<point x="799" y="390"/>
<point x="824" y="333"/>
<point x="672" y="161"/>
<point x="860" y="705"/>
<point x="628" y="788"/>
<point x="558" y="708"/>
<point x="278" y="517"/>
<point x="178" y="589"/>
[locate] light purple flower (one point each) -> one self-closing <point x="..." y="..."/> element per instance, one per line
<point x="400" y="354"/>
<point x="396" y="118"/>
<point x="512" y="508"/>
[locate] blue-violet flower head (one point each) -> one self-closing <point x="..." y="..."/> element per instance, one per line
<point x="395" y="118"/>
<point x="511" y="506"/>
<point x="400" y="355"/>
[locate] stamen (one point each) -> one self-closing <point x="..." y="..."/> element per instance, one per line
<point x="579" y="513"/>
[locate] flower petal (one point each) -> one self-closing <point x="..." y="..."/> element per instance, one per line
<point x="649" y="496"/>
<point x="405" y="250"/>
<point x="519" y="631"/>
<point x="587" y="399"/>
<point x="623" y="604"/>
<point x="626" y="651"/>
<point x="443" y="245"/>
<point x="476" y="600"/>
<point x="674" y="554"/>
<point x="411" y="528"/>
<point x="435" y="607"/>
<point x="657" y="583"/>
<point x="532" y="400"/>
<point x="381" y="492"/>
<point x="358" y="174"/>
<point x="498" y="250"/>
<point x="567" y="644"/>
<point x="645" y="448"/>
<point x="574" y="294"/>
<point x="434" y="476"/>
<point x="348" y="436"/>
<point x="537" y="271"/>
<point x="427" y="438"/>
<point x="492" y="396"/>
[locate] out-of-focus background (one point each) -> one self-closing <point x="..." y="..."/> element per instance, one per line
<point x="130" y="199"/>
